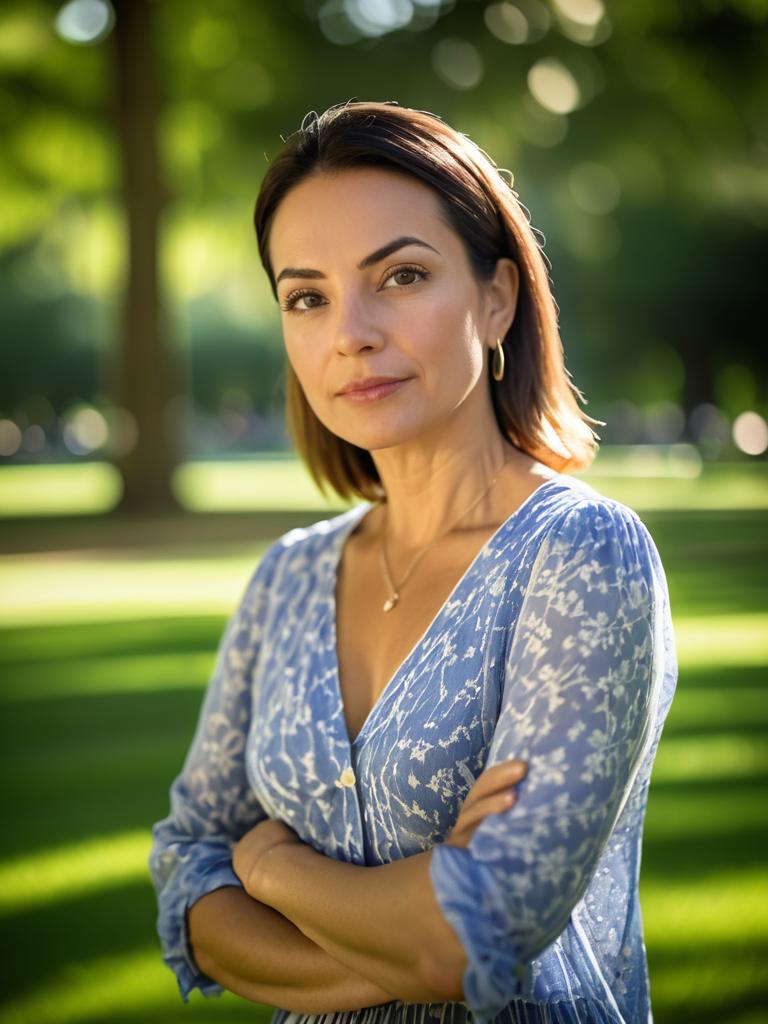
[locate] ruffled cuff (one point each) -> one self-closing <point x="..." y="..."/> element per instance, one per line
<point x="472" y="904"/>
<point x="188" y="885"/>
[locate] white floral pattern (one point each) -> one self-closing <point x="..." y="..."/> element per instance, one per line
<point x="555" y="646"/>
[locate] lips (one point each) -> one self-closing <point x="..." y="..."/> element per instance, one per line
<point x="368" y="384"/>
<point x="371" y="389"/>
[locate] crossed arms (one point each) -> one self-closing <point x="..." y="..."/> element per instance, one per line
<point x="325" y="935"/>
<point x="340" y="936"/>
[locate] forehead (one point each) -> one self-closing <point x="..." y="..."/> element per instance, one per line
<point x="337" y="216"/>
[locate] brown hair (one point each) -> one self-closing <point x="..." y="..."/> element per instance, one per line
<point x="535" y="404"/>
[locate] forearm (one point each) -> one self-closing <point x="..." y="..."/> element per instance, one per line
<point x="253" y="951"/>
<point x="382" y="922"/>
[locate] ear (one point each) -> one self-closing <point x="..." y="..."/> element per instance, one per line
<point x="501" y="297"/>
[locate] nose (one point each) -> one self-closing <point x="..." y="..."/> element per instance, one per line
<point x="357" y="328"/>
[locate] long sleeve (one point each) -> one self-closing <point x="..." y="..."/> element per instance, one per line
<point x="212" y="804"/>
<point x="580" y="688"/>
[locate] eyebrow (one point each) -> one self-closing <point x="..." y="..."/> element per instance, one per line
<point x="375" y="257"/>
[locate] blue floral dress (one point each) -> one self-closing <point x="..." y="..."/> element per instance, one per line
<point x="555" y="646"/>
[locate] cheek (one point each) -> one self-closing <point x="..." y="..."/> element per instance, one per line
<point x="448" y="319"/>
<point x="310" y="369"/>
<point x="448" y="337"/>
<point x="305" y="362"/>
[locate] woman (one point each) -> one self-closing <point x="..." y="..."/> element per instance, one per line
<point x="418" y="780"/>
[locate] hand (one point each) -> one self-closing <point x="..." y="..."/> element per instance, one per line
<point x="249" y="853"/>
<point x="491" y="793"/>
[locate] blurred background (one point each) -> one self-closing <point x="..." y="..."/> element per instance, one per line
<point x="144" y="464"/>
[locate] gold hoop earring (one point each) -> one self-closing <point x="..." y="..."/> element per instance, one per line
<point x="498" y="360"/>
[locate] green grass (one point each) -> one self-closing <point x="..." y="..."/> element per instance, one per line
<point x="646" y="477"/>
<point x="259" y="483"/>
<point x="99" y="699"/>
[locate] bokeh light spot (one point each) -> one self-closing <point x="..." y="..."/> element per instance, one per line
<point x="84" y="22"/>
<point x="750" y="433"/>
<point x="377" y="17"/>
<point x="10" y="437"/>
<point x="458" y="63"/>
<point x="584" y="12"/>
<point x="553" y="86"/>
<point x="507" y="22"/>
<point x="85" y="430"/>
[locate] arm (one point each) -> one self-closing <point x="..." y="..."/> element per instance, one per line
<point x="211" y="801"/>
<point x="580" y="693"/>
<point x="382" y="922"/>
<point x="256" y="953"/>
<point x="212" y="805"/>
<point x="324" y="897"/>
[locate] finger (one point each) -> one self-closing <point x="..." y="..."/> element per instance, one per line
<point x="463" y="831"/>
<point x="514" y="766"/>
<point x="479" y="810"/>
<point x="498" y="777"/>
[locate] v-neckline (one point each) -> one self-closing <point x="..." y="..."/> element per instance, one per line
<point x="338" y="551"/>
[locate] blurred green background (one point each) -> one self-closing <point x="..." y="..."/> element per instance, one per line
<point x="144" y="464"/>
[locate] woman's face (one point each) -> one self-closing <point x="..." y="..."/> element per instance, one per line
<point x="359" y="300"/>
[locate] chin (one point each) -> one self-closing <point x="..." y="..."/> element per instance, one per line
<point x="378" y="436"/>
<point x="371" y="428"/>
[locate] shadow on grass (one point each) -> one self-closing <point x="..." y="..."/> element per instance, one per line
<point x="719" y="984"/>
<point x="38" y="645"/>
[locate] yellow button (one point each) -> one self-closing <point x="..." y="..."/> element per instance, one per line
<point x="347" y="778"/>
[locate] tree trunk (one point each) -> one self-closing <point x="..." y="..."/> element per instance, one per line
<point x="144" y="372"/>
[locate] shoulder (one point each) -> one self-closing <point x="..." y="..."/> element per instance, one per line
<point x="579" y="508"/>
<point x="293" y="561"/>
<point x="318" y="537"/>
<point x="593" y="530"/>
<point x="303" y="546"/>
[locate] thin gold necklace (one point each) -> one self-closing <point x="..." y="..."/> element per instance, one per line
<point x="395" y="588"/>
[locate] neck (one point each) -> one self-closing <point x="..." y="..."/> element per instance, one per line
<point x="428" y="486"/>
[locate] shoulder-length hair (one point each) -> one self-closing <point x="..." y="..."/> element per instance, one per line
<point x="535" y="404"/>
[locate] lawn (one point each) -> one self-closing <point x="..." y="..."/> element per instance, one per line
<point x="104" y="654"/>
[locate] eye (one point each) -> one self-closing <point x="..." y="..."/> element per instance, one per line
<point x="293" y="298"/>
<point x="289" y="304"/>
<point x="392" y="274"/>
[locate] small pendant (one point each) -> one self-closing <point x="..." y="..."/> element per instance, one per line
<point x="390" y="603"/>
